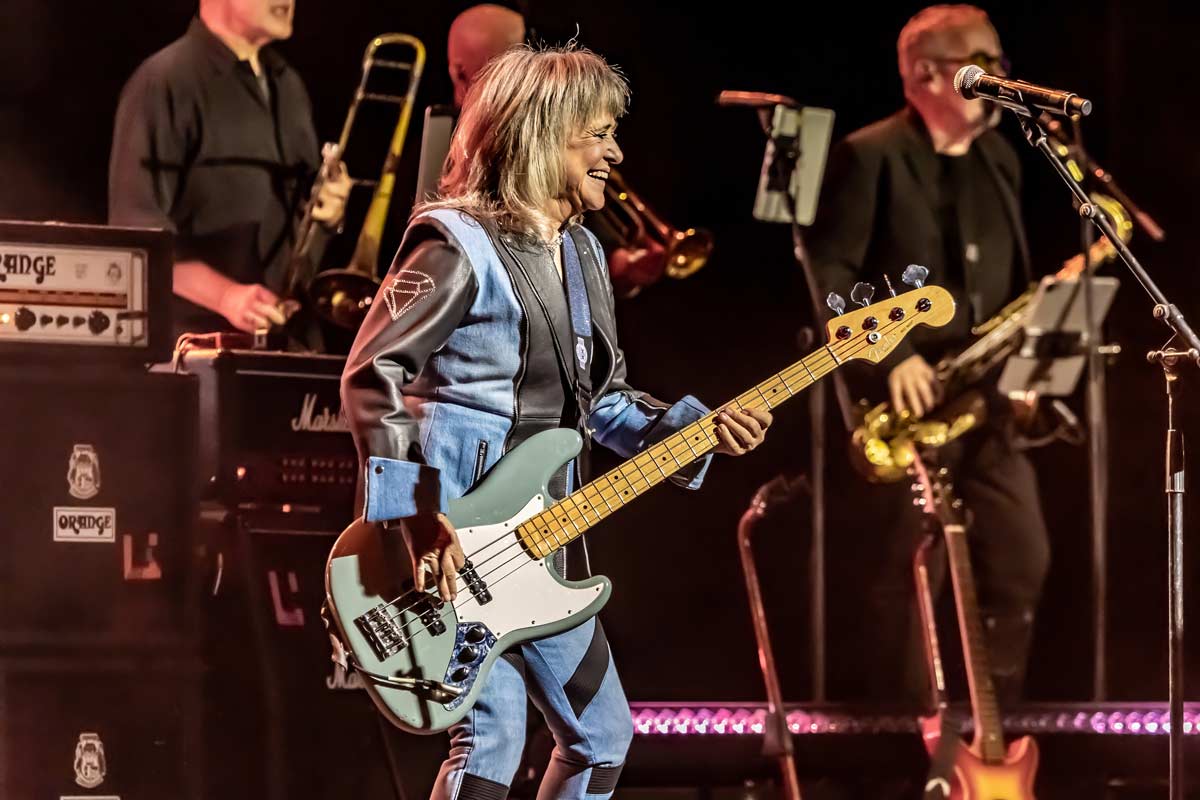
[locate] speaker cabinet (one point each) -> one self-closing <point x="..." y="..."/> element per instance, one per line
<point x="96" y="515"/>
<point x="101" y="727"/>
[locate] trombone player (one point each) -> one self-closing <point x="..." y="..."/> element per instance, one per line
<point x="214" y="141"/>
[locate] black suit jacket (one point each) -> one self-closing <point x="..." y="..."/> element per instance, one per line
<point x="877" y="215"/>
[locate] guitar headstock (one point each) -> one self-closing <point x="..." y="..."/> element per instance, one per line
<point x="873" y="331"/>
<point x="934" y="493"/>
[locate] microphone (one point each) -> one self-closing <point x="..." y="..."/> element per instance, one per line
<point x="754" y="99"/>
<point x="972" y="82"/>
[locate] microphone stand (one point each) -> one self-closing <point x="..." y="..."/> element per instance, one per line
<point x="1097" y="417"/>
<point x="1170" y="359"/>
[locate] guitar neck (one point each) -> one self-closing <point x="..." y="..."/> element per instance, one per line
<point x="989" y="736"/>
<point x="573" y="516"/>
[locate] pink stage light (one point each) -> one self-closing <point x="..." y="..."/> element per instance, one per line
<point x="751" y="720"/>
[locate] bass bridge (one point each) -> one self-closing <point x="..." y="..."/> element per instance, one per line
<point x="385" y="629"/>
<point x="383" y="632"/>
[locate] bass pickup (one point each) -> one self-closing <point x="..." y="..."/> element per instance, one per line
<point x="475" y="585"/>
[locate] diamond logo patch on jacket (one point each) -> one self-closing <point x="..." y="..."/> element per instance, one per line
<point x="406" y="290"/>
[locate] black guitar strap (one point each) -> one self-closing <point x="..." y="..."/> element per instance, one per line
<point x="941" y="763"/>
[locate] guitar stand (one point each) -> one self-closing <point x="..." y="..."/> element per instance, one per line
<point x="777" y="738"/>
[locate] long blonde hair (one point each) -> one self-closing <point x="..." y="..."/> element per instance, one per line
<point x="506" y="157"/>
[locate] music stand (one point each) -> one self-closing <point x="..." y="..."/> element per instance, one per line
<point x="793" y="164"/>
<point x="435" y="144"/>
<point x="1053" y="354"/>
<point x="789" y="187"/>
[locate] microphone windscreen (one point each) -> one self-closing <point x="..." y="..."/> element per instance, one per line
<point x="965" y="78"/>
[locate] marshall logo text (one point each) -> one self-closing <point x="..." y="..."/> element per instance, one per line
<point x="26" y="264"/>
<point x="77" y="524"/>
<point x="324" y="422"/>
<point x="340" y="680"/>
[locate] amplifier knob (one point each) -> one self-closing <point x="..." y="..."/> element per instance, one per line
<point x="77" y="321"/>
<point x="25" y="319"/>
<point x="45" y="319"/>
<point x="61" y="320"/>
<point x="98" y="322"/>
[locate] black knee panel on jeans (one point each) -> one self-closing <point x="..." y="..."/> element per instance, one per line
<point x="604" y="779"/>
<point x="476" y="788"/>
<point x="586" y="680"/>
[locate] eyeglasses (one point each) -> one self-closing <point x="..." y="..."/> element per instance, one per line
<point x="984" y="60"/>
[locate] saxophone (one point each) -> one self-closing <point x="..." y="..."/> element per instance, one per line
<point x="884" y="443"/>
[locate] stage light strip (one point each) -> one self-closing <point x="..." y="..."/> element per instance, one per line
<point x="1148" y="719"/>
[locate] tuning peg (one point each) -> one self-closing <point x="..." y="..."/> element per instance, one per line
<point x="862" y="293"/>
<point x="836" y="303"/>
<point x="914" y="275"/>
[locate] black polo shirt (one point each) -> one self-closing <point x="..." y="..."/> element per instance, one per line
<point x="200" y="149"/>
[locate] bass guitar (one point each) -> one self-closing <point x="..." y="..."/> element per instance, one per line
<point x="424" y="662"/>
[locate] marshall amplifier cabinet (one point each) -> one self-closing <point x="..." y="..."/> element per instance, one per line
<point x="272" y="433"/>
<point x="97" y="509"/>
<point x="85" y="292"/>
<point x="305" y="727"/>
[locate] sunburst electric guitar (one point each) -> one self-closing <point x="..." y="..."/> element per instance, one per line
<point x="424" y="662"/>
<point x="987" y="769"/>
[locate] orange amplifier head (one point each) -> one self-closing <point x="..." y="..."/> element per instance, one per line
<point x="85" y="291"/>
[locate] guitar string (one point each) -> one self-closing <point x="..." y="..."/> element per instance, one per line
<point x="827" y="357"/>
<point x="517" y="544"/>
<point x="796" y="370"/>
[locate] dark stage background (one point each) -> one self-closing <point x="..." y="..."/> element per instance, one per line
<point x="679" y="620"/>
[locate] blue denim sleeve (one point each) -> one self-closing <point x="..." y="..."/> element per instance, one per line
<point x="398" y="489"/>
<point x="628" y="422"/>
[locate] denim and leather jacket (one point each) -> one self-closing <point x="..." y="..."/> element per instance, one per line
<point x="461" y="358"/>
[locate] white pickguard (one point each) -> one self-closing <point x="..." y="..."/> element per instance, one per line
<point x="524" y="592"/>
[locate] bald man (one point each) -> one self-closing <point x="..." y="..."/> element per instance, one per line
<point x="478" y="35"/>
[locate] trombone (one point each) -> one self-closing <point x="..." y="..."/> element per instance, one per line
<point x="682" y="252"/>
<point x="342" y="297"/>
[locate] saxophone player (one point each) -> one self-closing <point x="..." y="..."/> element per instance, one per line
<point x="934" y="184"/>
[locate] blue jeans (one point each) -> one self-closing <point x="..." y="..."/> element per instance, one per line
<point x="572" y="680"/>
